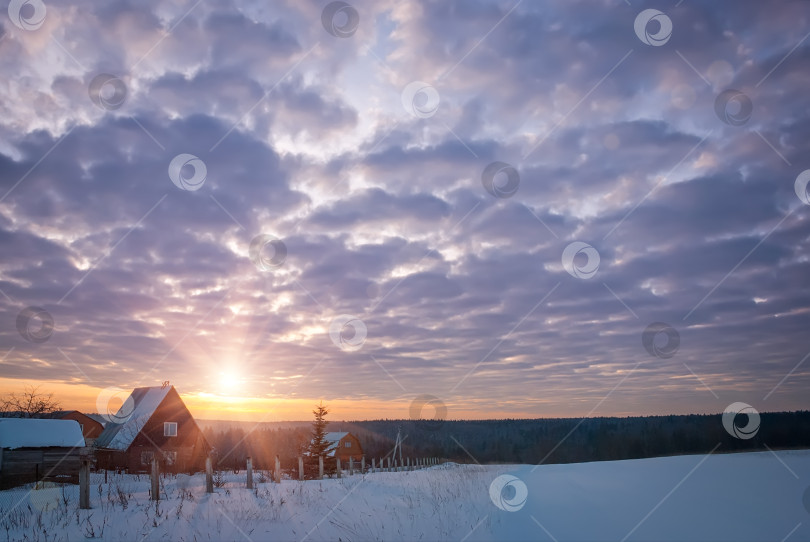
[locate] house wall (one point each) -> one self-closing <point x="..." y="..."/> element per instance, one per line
<point x="26" y="465"/>
<point x="355" y="451"/>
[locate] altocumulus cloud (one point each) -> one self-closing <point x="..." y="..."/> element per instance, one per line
<point x="617" y="144"/>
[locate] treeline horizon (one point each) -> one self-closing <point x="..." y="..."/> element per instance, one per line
<point x="408" y="420"/>
<point x="516" y="440"/>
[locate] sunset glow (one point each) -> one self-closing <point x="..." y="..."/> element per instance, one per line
<point x="556" y="215"/>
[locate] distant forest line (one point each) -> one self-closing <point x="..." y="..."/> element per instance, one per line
<point x="559" y="440"/>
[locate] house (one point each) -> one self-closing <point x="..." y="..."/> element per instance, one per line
<point x="90" y="427"/>
<point x="33" y="449"/>
<point x="344" y="446"/>
<point x="152" y="423"/>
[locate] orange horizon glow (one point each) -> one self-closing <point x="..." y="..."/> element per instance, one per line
<point x="221" y="407"/>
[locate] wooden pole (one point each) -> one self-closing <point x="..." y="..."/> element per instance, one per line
<point x="84" y="485"/>
<point x="351" y="466"/>
<point x="155" y="480"/>
<point x="320" y="467"/>
<point x="278" y="470"/>
<point x="249" y="467"/>
<point x="337" y="462"/>
<point x="209" y="475"/>
<point x="300" y="468"/>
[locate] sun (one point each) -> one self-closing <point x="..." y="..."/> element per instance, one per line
<point x="229" y="382"/>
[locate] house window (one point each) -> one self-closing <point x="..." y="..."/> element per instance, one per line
<point x="348" y="444"/>
<point x="170" y="457"/>
<point x="146" y="457"/>
<point x="169" y="429"/>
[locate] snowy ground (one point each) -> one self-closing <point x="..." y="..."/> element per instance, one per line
<point x="739" y="497"/>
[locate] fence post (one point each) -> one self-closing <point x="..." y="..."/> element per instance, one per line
<point x="320" y="467"/>
<point x="84" y="485"/>
<point x="351" y="466"/>
<point x="278" y="470"/>
<point x="363" y="465"/>
<point x="155" y="480"/>
<point x="209" y="475"/>
<point x="337" y="462"/>
<point x="389" y="464"/>
<point x="373" y="464"/>
<point x="249" y="467"/>
<point x="300" y="468"/>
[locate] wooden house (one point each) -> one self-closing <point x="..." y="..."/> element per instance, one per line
<point x="152" y="422"/>
<point x="91" y="428"/>
<point x="34" y="449"/>
<point x="343" y="446"/>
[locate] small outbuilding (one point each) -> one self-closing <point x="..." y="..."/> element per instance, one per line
<point x="33" y="450"/>
<point x="152" y="423"/>
<point x="91" y="428"/>
<point x="343" y="446"/>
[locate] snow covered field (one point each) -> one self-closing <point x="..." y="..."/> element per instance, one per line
<point x="738" y="497"/>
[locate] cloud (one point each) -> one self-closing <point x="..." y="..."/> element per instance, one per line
<point x="384" y="216"/>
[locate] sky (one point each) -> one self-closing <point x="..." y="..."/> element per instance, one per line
<point x="461" y="209"/>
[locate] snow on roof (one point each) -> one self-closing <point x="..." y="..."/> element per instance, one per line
<point x="39" y="433"/>
<point x="125" y="425"/>
<point x="333" y="438"/>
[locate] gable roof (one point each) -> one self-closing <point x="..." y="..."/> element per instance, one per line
<point x="133" y="415"/>
<point x="39" y="433"/>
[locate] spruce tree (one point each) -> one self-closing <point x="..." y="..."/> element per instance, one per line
<point x="318" y="445"/>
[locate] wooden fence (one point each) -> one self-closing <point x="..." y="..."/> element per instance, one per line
<point x="363" y="467"/>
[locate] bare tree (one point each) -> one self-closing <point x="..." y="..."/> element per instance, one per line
<point x="31" y="403"/>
